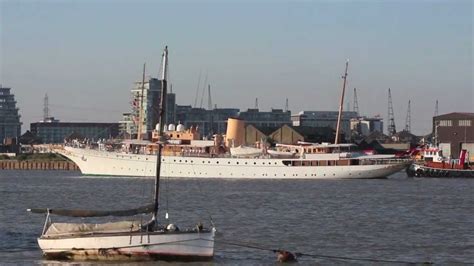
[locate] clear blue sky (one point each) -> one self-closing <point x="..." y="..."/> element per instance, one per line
<point x="87" y="54"/>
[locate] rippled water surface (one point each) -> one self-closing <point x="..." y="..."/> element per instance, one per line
<point x="394" y="219"/>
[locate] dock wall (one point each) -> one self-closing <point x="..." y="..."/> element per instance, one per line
<point x="37" y="165"/>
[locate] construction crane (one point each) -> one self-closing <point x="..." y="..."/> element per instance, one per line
<point x="408" y="119"/>
<point x="355" y="106"/>
<point x="209" y="99"/>
<point x="203" y="91"/>
<point x="197" y="89"/>
<point x="391" y="129"/>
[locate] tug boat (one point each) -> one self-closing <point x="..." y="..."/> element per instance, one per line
<point x="432" y="163"/>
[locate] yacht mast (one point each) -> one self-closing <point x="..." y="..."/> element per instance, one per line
<point x="338" y="126"/>
<point x="161" y="120"/>
<point x="140" y="111"/>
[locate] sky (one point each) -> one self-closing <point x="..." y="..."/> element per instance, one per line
<point x="86" y="55"/>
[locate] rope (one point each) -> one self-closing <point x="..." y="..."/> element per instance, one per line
<point x="300" y="254"/>
<point x="360" y="259"/>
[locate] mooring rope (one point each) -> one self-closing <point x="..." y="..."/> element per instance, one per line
<point x="334" y="257"/>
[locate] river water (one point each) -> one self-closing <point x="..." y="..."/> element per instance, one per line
<point x="398" y="218"/>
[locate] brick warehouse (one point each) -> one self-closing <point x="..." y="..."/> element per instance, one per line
<point x="453" y="132"/>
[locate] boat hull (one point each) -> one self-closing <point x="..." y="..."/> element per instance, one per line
<point x="186" y="246"/>
<point x="419" y="170"/>
<point x="94" y="162"/>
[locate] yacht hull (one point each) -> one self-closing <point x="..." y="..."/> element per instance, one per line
<point x="136" y="246"/>
<point x="94" y="162"/>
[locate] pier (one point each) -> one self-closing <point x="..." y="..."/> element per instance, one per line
<point x="37" y="165"/>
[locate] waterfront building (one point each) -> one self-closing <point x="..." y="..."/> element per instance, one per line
<point x="208" y="122"/>
<point x="274" y="118"/>
<point x="171" y="108"/>
<point x="255" y="134"/>
<point x="288" y="134"/>
<point x="325" y="119"/>
<point x="56" y="132"/>
<point x="453" y="132"/>
<point x="146" y="99"/>
<point x="127" y="126"/>
<point x="10" y="125"/>
<point x="363" y="125"/>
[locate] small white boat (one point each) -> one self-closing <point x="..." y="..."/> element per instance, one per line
<point x="244" y="151"/>
<point x="281" y="154"/>
<point x="126" y="240"/>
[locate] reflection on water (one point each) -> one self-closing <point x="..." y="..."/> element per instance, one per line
<point x="397" y="218"/>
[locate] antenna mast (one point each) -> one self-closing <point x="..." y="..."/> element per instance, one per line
<point x="286" y="105"/>
<point x="355" y="107"/>
<point x="408" y="119"/>
<point x="339" y="116"/>
<point x="391" y="117"/>
<point x="161" y="121"/>
<point x="256" y="103"/>
<point x="436" y="109"/>
<point x="45" y="108"/>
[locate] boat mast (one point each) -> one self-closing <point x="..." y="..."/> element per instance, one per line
<point x="338" y="126"/>
<point x="140" y="111"/>
<point x="161" y="121"/>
